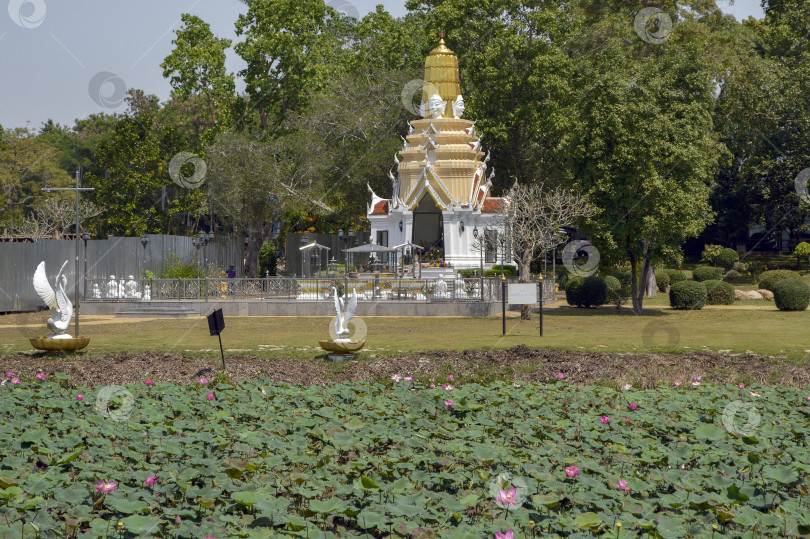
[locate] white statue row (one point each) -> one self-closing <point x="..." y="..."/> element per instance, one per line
<point x="435" y="107"/>
<point x="121" y="290"/>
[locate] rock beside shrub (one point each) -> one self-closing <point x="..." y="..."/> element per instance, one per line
<point x="766" y="294"/>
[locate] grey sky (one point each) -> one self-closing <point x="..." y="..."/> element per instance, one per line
<point x="51" y="51"/>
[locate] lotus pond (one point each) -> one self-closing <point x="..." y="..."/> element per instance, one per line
<point x="402" y="459"/>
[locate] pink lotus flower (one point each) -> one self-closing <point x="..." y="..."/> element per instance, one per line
<point x="264" y="392"/>
<point x="450" y="377"/>
<point x="623" y="485"/>
<point x="203" y="380"/>
<point x="627" y="420"/>
<point x="408" y="379"/>
<point x="210" y="396"/>
<point x="604" y="420"/>
<point x="40" y="376"/>
<point x="677" y="383"/>
<point x="150" y="481"/>
<point x="626" y="387"/>
<point x="432" y="386"/>
<point x="633" y="406"/>
<point x="150" y="383"/>
<point x="507" y="497"/>
<point x="105" y="486"/>
<point x="507" y="535"/>
<point x="741" y="385"/>
<point x="15" y="381"/>
<point x="9" y="374"/>
<point x="177" y="519"/>
<point x="448" y="387"/>
<point x="560" y="376"/>
<point x="79" y="397"/>
<point x="695" y="383"/>
<point x="448" y="403"/>
<point x="571" y="471"/>
<point x="396" y="378"/>
<point x="696" y="379"/>
<point x="757" y="395"/>
<point x="808" y="398"/>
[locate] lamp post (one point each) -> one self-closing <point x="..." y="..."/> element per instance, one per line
<point x="481" y="246"/>
<point x="85" y="237"/>
<point x="77" y="189"/>
<point x="144" y="242"/>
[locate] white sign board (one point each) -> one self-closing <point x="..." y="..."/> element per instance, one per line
<point x="522" y="294"/>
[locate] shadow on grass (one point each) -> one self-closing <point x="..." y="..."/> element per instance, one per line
<point x="604" y="310"/>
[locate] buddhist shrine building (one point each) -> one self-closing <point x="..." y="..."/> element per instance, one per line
<point x="441" y="191"/>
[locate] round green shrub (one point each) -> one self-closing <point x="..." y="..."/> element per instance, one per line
<point x="727" y="258"/>
<point x="586" y="291"/>
<point x="791" y="295"/>
<point x="675" y="276"/>
<point x="687" y="295"/>
<point x="719" y="293"/>
<point x="612" y="283"/>
<point x="768" y="279"/>
<point x="662" y="280"/>
<point x="732" y="276"/>
<point x="704" y="273"/>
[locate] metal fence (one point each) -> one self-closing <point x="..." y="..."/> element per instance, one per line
<point x="300" y="289"/>
<point x="121" y="257"/>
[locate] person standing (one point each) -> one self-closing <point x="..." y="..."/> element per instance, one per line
<point x="231" y="273"/>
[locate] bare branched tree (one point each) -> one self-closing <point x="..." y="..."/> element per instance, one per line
<point x="532" y="220"/>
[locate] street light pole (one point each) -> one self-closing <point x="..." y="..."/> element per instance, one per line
<point x="76" y="285"/>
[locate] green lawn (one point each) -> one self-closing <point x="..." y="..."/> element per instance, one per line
<point x="753" y="325"/>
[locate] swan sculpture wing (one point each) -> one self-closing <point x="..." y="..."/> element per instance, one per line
<point x="338" y="309"/>
<point x="350" y="309"/>
<point x="43" y="287"/>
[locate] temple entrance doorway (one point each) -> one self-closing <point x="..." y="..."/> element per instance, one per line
<point x="428" y="228"/>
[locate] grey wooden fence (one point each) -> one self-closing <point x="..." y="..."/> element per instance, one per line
<point x="117" y="256"/>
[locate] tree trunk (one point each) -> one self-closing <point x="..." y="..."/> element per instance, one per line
<point x="252" y="254"/>
<point x="636" y="292"/>
<point x="525" y="277"/>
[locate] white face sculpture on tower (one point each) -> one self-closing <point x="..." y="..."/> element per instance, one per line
<point x="458" y="107"/>
<point x="436" y="106"/>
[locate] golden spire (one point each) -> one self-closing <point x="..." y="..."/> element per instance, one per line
<point x="441" y="72"/>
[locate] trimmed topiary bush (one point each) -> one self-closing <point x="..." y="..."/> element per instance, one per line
<point x="769" y="279"/>
<point x="791" y="295"/>
<point x="719" y="293"/>
<point x="704" y="273"/>
<point x="662" y="280"/>
<point x="732" y="276"/>
<point x="675" y="276"/>
<point x="687" y="295"/>
<point x="585" y="291"/>
<point x="727" y="258"/>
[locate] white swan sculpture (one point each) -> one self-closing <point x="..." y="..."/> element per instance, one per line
<point x="343" y="317"/>
<point x="57" y="301"/>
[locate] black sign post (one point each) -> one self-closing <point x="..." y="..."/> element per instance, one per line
<point x="216" y="323"/>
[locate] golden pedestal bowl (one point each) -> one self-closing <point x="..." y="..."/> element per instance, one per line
<point x="60" y="345"/>
<point x="349" y="347"/>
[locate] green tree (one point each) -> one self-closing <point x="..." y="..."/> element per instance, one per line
<point x="802" y="250"/>
<point x="292" y="48"/>
<point x="196" y="67"/>
<point x="641" y="144"/>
